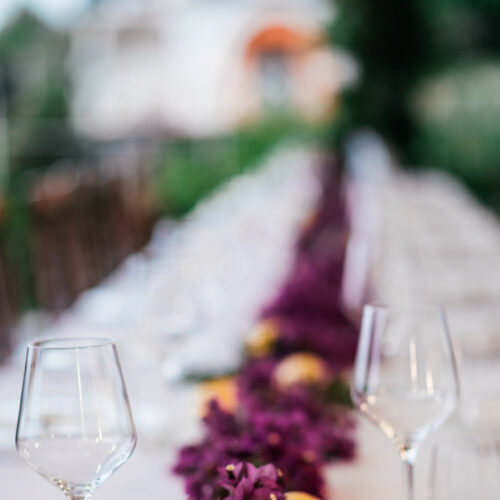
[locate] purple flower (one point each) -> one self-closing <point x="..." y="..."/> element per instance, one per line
<point x="244" y="481"/>
<point x="308" y="313"/>
<point x="324" y="429"/>
<point x="335" y="342"/>
<point x="297" y="430"/>
<point x="325" y="233"/>
<point x="313" y="288"/>
<point x="259" y="438"/>
<point x="295" y="433"/>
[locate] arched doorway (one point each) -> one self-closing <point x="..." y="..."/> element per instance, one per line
<point x="273" y="56"/>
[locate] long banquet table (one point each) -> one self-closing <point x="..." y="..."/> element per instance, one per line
<point x="245" y="234"/>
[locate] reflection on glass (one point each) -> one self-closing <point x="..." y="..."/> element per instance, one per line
<point x="405" y="378"/>
<point x="75" y="426"/>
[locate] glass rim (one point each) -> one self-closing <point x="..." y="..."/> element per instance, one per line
<point x="67" y="343"/>
<point x="401" y="306"/>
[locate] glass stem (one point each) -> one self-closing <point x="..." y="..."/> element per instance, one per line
<point x="409" y="456"/>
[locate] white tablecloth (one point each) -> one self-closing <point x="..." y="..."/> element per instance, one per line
<point x="262" y="213"/>
<point x="376" y="474"/>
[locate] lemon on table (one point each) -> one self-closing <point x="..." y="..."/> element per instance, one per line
<point x="262" y="337"/>
<point x="221" y="389"/>
<point x="301" y="367"/>
<point x="298" y="495"/>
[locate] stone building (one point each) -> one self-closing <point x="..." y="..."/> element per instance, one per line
<point x="197" y="68"/>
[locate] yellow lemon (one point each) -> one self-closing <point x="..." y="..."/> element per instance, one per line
<point x="262" y="338"/>
<point x="300" y="367"/>
<point x="221" y="389"/>
<point x="298" y="495"/>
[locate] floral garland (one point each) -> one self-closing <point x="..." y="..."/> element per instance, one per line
<point x="273" y="427"/>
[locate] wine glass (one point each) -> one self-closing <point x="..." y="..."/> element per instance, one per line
<point x="405" y="376"/>
<point x="75" y="426"/>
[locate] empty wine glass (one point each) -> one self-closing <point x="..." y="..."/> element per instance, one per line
<point x="405" y="375"/>
<point x="75" y="426"/>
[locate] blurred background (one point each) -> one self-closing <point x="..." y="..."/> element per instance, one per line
<point x="115" y="114"/>
<point x="159" y="158"/>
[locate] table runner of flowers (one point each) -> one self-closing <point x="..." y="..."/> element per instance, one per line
<point x="270" y="430"/>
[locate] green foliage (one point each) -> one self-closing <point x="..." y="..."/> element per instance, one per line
<point x="16" y="234"/>
<point x="46" y="136"/>
<point x="397" y="45"/>
<point x="35" y="94"/>
<point x="34" y="98"/>
<point x="338" y="392"/>
<point x="24" y="32"/>
<point x="190" y="170"/>
<point x="457" y="113"/>
<point x="390" y="42"/>
<point x="462" y="29"/>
